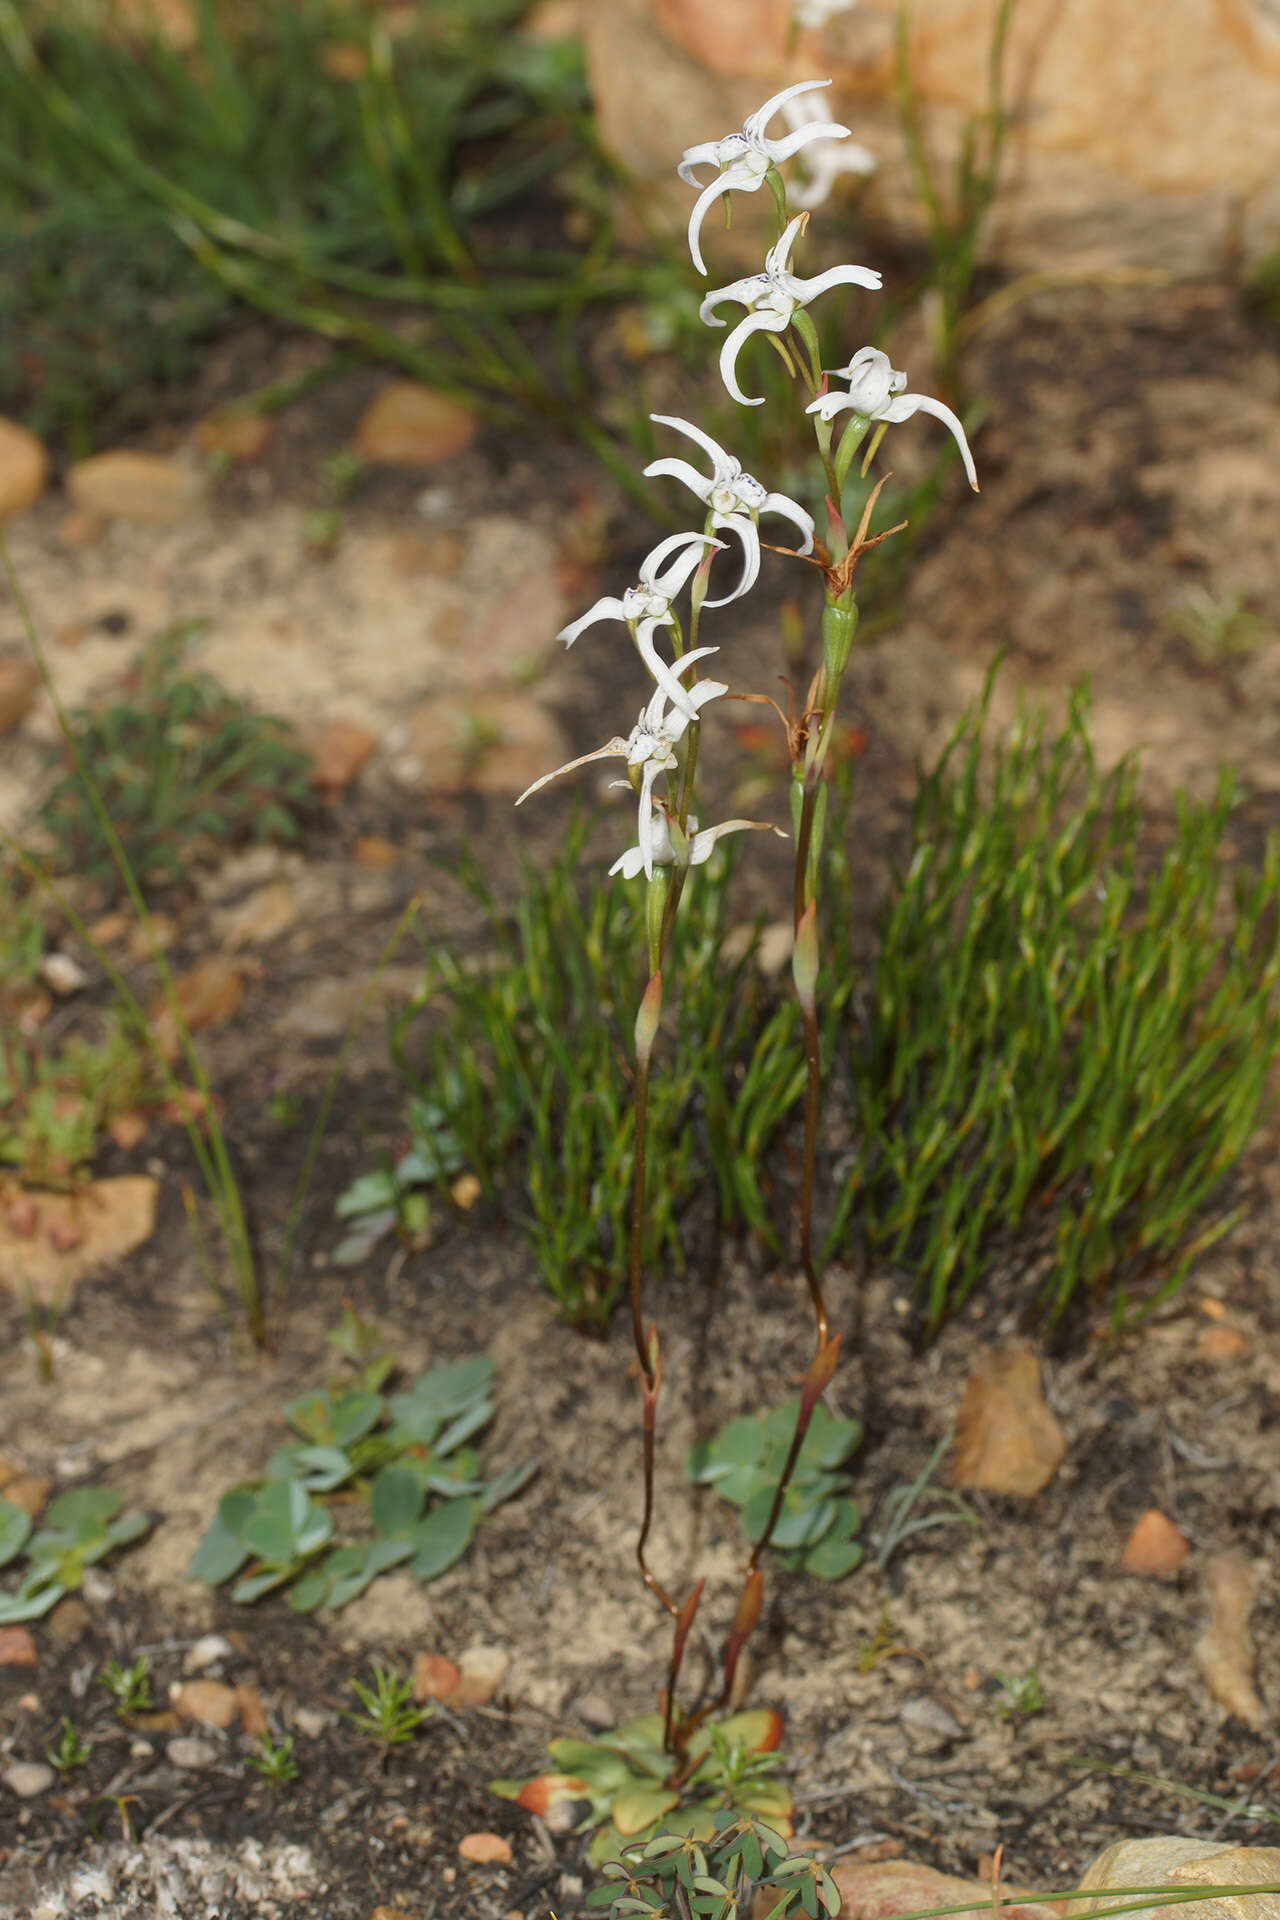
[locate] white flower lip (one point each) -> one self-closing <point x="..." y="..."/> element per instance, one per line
<point x="661" y="849"/>
<point x="742" y="160"/>
<point x="734" y="499"/>
<point x="647" y="606"/>
<point x="876" y="392"/>
<point x="771" y="298"/>
<point x="651" y="746"/>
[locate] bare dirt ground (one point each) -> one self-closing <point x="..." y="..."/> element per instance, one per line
<point x="1130" y="450"/>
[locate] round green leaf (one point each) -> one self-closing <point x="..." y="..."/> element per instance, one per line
<point x="636" y="1808"/>
<point x="443" y="1537"/>
<point x="84" y="1506"/>
<point x="395" y="1500"/>
<point x="15" y="1528"/>
<point x="833" y="1557"/>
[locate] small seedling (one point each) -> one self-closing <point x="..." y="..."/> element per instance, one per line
<point x="818" y="1523"/>
<point x="390" y="1715"/>
<point x="283" y="1109"/>
<point x="80" y="1528"/>
<point x="129" y="1686"/>
<point x="360" y="1343"/>
<point x="1216" y="628"/>
<point x="71" y="1751"/>
<point x="1021" y="1695"/>
<point x="56" y="1105"/>
<point x="897" y="1523"/>
<point x="274" y="1761"/>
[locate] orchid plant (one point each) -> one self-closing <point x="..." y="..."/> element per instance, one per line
<point x="661" y="751"/>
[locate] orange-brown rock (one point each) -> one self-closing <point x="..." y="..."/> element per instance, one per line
<point x="1155" y="1547"/>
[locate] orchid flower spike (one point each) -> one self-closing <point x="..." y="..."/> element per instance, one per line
<point x="876" y="392"/>
<point x="647" y="606"/>
<point x="652" y="741"/>
<point x="662" y="844"/>
<point x="771" y="298"/>
<point x="743" y="159"/>
<point x="734" y="499"/>
<point x="824" y="162"/>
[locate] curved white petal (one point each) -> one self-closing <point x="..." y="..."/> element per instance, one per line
<point x="743" y="291"/>
<point x="828" y="405"/>
<point x="681" y="470"/>
<point x="792" y="510"/>
<point x="750" y="538"/>
<point x="755" y="123"/>
<point x="645" y="837"/>
<point x="720" y="458"/>
<point x="606" y="609"/>
<point x="628" y="864"/>
<point x="909" y="403"/>
<point x="651" y="575"/>
<point x="662" y="670"/>
<point x="702" y="844"/>
<point x="703" y="155"/>
<point x="606" y="752"/>
<point x="790" y="143"/>
<point x="779" y="254"/>
<point x="753" y="323"/>
<point x="837" y="277"/>
<point x="707" y="689"/>
<point x="710" y="193"/>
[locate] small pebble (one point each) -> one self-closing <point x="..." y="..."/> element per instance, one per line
<point x="190" y="1753"/>
<point x="27" y="1778"/>
<point x="206" y="1652"/>
<point x="311" y="1722"/>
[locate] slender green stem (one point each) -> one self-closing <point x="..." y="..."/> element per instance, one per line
<point x="636" y="1271"/>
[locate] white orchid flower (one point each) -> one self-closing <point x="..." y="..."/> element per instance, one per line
<point x="647" y="606"/>
<point x="734" y="499"/>
<point x="743" y="159"/>
<point x="876" y="392"/>
<point x="663" y="848"/>
<point x="824" y="162"/>
<point x="771" y="298"/>
<point x="652" y="741"/>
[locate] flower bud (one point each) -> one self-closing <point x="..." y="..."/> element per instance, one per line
<point x="804" y="958"/>
<point x="647" y="1020"/>
<point x="655" y="913"/>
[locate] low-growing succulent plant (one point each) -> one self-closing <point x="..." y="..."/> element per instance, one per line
<point x="743" y="1866"/>
<point x="626" y="1785"/>
<point x="818" y="1524"/>
<point x="403" y="1454"/>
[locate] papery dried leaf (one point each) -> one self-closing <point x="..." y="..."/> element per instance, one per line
<point x="1007" y="1440"/>
<point x="1224" y="1652"/>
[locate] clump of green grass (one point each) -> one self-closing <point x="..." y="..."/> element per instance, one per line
<point x="246" y="175"/>
<point x="519" y="1070"/>
<point x="55" y="1105"/>
<point x="1065" y="1038"/>
<point x="183" y="768"/>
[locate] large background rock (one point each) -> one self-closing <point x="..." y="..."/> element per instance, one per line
<point x="1147" y="134"/>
